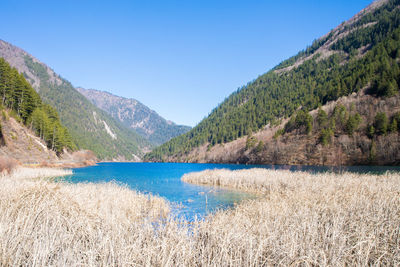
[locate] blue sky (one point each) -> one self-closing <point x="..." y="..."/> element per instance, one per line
<point x="180" y="58"/>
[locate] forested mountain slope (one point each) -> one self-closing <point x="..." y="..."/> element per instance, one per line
<point x="29" y="129"/>
<point x="136" y="116"/>
<point x="360" y="56"/>
<point x="90" y="127"/>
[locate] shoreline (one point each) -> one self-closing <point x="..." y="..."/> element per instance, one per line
<point x="68" y="164"/>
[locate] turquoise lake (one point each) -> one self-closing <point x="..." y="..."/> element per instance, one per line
<point x="187" y="200"/>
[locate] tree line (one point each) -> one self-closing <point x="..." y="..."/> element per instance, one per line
<point x="314" y="83"/>
<point x="26" y="106"/>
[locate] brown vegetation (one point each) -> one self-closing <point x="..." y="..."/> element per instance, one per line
<point x="77" y="159"/>
<point x="20" y="144"/>
<point x="298" y="148"/>
<point x="301" y="219"/>
<point x="7" y="164"/>
<point x="57" y="224"/>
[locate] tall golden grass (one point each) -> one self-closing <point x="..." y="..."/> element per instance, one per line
<point x="43" y="223"/>
<point x="25" y="173"/>
<point x="303" y="219"/>
<point x="7" y="164"/>
<point x="300" y="219"/>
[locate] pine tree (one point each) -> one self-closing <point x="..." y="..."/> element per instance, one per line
<point x="381" y="123"/>
<point x="23" y="101"/>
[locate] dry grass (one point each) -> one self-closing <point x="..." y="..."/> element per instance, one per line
<point x="44" y="223"/>
<point x="24" y="173"/>
<point x="325" y="219"/>
<point x="7" y="164"/>
<point x="301" y="219"/>
<point x="253" y="180"/>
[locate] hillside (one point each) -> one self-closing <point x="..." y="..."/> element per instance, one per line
<point x="360" y="56"/>
<point x="136" y="116"/>
<point x="320" y="147"/>
<point x="21" y="144"/>
<point x="90" y="127"/>
<point x="30" y="130"/>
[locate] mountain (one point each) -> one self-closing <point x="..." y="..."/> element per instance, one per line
<point x="135" y="115"/>
<point x="30" y="130"/>
<point x="336" y="102"/>
<point x="90" y="127"/>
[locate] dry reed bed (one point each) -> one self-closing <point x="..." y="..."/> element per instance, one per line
<point x="301" y="219"/>
<point x="256" y="180"/>
<point x="18" y="173"/>
<point x="304" y="219"/>
<point x="43" y="223"/>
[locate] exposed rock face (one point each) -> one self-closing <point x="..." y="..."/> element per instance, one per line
<point x="135" y="115"/>
<point x="17" y="58"/>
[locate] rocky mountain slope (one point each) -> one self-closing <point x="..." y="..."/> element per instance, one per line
<point x="22" y="144"/>
<point x="90" y="127"/>
<point x="336" y="102"/>
<point x="30" y="130"/>
<point x="136" y="116"/>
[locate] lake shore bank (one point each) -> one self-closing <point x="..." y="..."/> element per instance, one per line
<point x="299" y="219"/>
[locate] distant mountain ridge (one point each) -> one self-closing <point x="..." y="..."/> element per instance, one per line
<point x="135" y="115"/>
<point x="90" y="127"/>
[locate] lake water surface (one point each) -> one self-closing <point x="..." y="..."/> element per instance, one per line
<point x="187" y="200"/>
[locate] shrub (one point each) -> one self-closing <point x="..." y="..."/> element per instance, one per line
<point x="395" y="122"/>
<point x="250" y="142"/>
<point x="302" y="120"/>
<point x="393" y="126"/>
<point x="322" y="118"/>
<point x="7" y="164"/>
<point x="352" y="123"/>
<point x="370" y="131"/>
<point x="4" y="115"/>
<point x="325" y="136"/>
<point x="279" y="133"/>
<point x="340" y="115"/>
<point x="381" y="123"/>
<point x="260" y="147"/>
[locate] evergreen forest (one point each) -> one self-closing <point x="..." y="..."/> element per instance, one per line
<point x="367" y="57"/>
<point x="25" y="105"/>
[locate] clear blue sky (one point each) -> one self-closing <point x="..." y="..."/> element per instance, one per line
<point x="180" y="58"/>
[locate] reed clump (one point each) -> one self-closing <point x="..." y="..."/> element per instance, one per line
<point x="254" y="180"/>
<point x="304" y="219"/>
<point x="7" y="164"/>
<point x="44" y="223"/>
<point x="24" y="173"/>
<point x="300" y="219"/>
